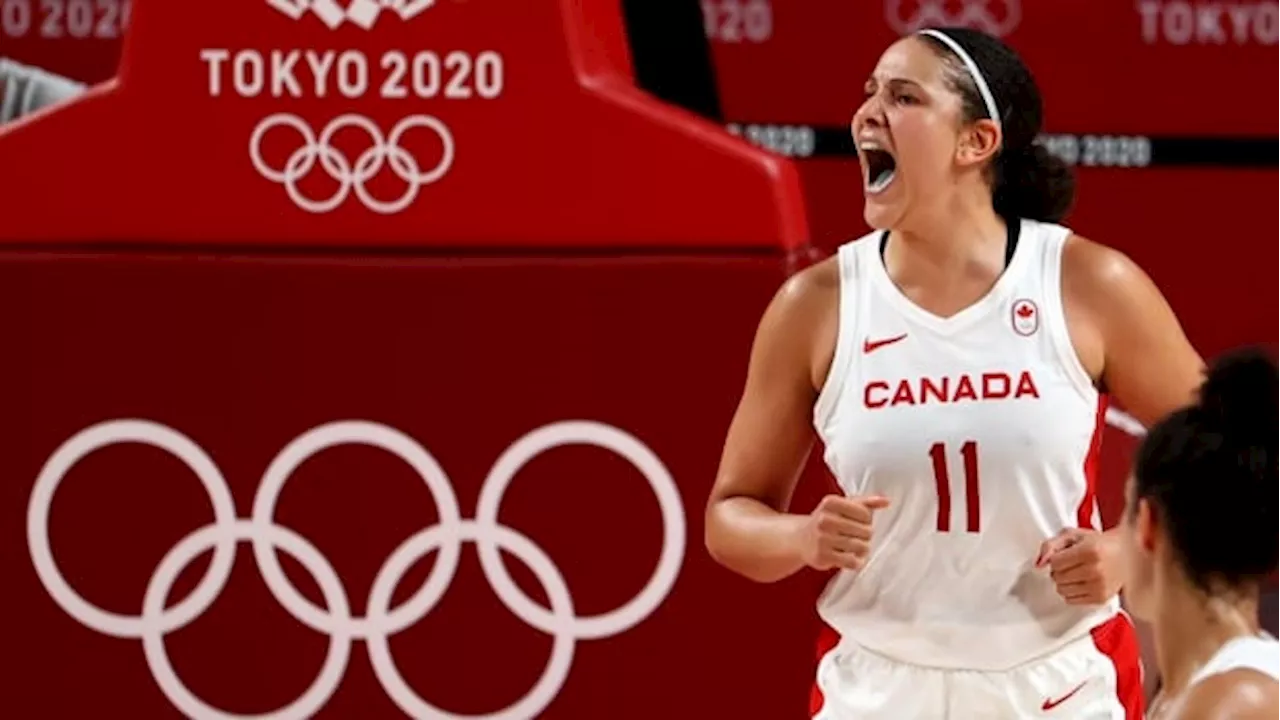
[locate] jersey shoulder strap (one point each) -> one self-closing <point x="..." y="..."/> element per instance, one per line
<point x="851" y="259"/>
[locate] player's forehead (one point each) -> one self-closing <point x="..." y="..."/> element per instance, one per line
<point x="911" y="60"/>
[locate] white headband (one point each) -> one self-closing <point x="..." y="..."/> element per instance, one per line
<point x="987" y="98"/>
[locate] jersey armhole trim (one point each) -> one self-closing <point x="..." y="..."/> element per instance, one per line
<point x="1059" y="330"/>
<point x="824" y="407"/>
<point x="1244" y="653"/>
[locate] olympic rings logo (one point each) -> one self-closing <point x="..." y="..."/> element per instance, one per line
<point x="335" y="619"/>
<point x="361" y="12"/>
<point x="909" y="16"/>
<point x="351" y="176"/>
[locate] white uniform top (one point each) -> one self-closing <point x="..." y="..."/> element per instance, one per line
<point x="983" y="429"/>
<point x="1261" y="653"/>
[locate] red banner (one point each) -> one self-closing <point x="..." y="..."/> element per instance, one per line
<point x="1140" y="67"/>
<point x="1137" y="67"/>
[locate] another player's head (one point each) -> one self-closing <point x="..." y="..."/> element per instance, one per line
<point x="1201" y="510"/>
<point x="953" y="115"/>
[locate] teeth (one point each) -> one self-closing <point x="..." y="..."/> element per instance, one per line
<point x="882" y="182"/>
<point x="883" y="178"/>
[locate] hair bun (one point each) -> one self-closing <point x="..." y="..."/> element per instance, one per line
<point x="1033" y="183"/>
<point x="1241" y="392"/>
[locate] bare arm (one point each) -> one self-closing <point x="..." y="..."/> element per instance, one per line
<point x="1133" y="343"/>
<point x="769" y="439"/>
<point x="1146" y="361"/>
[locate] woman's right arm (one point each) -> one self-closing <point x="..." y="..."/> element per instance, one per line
<point x="747" y="527"/>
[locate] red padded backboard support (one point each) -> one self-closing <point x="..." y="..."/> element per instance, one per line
<point x="553" y="145"/>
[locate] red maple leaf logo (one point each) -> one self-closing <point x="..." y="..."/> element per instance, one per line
<point x="1025" y="311"/>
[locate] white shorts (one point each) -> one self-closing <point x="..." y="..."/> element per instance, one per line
<point x="1098" y="677"/>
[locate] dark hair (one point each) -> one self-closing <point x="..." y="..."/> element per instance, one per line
<point x="1209" y="472"/>
<point x="1027" y="181"/>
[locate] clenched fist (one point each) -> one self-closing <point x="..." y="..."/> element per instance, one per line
<point x="1084" y="565"/>
<point x="837" y="533"/>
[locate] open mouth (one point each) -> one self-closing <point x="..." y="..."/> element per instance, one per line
<point x="882" y="168"/>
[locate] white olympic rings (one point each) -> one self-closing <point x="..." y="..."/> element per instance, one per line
<point x="360" y="12"/>
<point x="351" y="176"/>
<point x="335" y="619"/>
<point x="977" y="14"/>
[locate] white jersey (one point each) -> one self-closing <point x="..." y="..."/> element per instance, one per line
<point x="983" y="429"/>
<point x="1261" y="654"/>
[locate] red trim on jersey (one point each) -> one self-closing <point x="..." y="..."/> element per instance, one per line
<point x="1092" y="461"/>
<point x="827" y="641"/>
<point x="1117" y="639"/>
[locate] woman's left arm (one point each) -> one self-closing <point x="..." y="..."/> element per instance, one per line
<point x="1128" y="338"/>
<point x="1148" y="364"/>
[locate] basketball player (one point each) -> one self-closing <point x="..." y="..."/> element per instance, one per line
<point x="1200" y="538"/>
<point x="951" y="365"/>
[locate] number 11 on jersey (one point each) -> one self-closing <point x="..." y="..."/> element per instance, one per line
<point x="969" y="452"/>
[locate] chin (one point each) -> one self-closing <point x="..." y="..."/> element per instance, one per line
<point x="876" y="219"/>
<point x="880" y="215"/>
<point x="883" y="208"/>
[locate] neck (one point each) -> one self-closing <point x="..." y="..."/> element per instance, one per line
<point x="955" y="234"/>
<point x="1191" y="626"/>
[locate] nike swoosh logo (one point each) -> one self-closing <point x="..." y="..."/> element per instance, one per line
<point x="872" y="345"/>
<point x="1051" y="703"/>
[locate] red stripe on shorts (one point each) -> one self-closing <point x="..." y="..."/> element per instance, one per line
<point x="827" y="641"/>
<point x="1117" y="639"/>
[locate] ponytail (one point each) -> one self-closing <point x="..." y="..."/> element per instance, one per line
<point x="1032" y="183"/>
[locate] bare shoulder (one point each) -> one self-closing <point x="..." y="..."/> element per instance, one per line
<point x="802" y="319"/>
<point x="817" y="284"/>
<point x="1145" y="358"/>
<point x="1096" y="268"/>
<point x="1117" y="295"/>
<point x="1235" y="695"/>
<point x="804" y="299"/>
